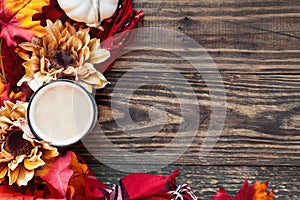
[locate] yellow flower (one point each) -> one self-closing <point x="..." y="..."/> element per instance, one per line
<point x="20" y="152"/>
<point x="63" y="53"/>
<point x="11" y="116"/>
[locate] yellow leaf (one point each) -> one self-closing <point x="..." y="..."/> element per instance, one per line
<point x="16" y="19"/>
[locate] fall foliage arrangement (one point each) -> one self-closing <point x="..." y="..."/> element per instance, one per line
<point x="42" y="41"/>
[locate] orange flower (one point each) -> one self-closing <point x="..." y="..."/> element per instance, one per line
<point x="63" y="53"/>
<point x="20" y="152"/>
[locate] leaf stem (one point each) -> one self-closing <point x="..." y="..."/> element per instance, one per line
<point x="2" y="75"/>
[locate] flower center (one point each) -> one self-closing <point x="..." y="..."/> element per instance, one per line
<point x="16" y="145"/>
<point x="61" y="59"/>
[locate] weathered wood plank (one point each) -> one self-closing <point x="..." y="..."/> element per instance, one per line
<point x="255" y="45"/>
<point x="261" y="123"/>
<point x="233" y="24"/>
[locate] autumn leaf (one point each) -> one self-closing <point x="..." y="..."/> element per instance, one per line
<point x="93" y="187"/>
<point x="77" y="181"/>
<point x="246" y="192"/>
<point x="12" y="64"/>
<point x="16" y="20"/>
<point x="222" y="195"/>
<point x="6" y="193"/>
<point x="261" y="191"/>
<point x="72" y="179"/>
<point x="5" y="90"/>
<point x="148" y="184"/>
<point x="58" y="173"/>
<point x="257" y="191"/>
<point x="11" y="72"/>
<point x="52" y="12"/>
<point x="83" y="183"/>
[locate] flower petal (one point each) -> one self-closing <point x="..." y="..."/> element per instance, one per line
<point x="52" y="46"/>
<point x="84" y="55"/>
<point x="49" y="152"/>
<point x="28" y="135"/>
<point x="4" y="155"/>
<point x="28" y="46"/>
<point x="20" y="175"/>
<point x="74" y="43"/>
<point x="3" y="170"/>
<point x="25" y="78"/>
<point x="95" y="81"/>
<point x="34" y="160"/>
<point x="34" y="84"/>
<point x="70" y="71"/>
<point x="15" y="163"/>
<point x="39" y="79"/>
<point x="94" y="44"/>
<point x="13" y="176"/>
<point x="98" y="56"/>
<point x="32" y="65"/>
<point x="71" y="29"/>
<point x="84" y="36"/>
<point x="5" y="124"/>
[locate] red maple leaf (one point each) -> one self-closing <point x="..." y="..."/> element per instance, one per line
<point x="222" y="195"/>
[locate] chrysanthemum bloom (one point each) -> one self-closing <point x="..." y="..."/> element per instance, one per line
<point x="63" y="53"/>
<point x="20" y="152"/>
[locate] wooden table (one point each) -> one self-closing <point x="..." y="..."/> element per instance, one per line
<point x="255" y="46"/>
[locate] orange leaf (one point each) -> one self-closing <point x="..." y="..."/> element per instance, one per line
<point x="261" y="191"/>
<point x="16" y="19"/>
<point x="77" y="181"/>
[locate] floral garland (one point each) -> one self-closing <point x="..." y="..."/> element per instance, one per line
<point x="41" y="41"/>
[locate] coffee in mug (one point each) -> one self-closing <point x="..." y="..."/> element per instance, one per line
<point x="62" y="112"/>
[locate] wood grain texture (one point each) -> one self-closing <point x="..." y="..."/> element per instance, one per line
<point x="255" y="45"/>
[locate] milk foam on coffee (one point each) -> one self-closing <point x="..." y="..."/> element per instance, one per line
<point x="62" y="112"/>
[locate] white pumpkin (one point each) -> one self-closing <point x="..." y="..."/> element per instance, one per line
<point x="92" y="12"/>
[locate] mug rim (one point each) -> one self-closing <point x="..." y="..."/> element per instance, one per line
<point x="92" y="99"/>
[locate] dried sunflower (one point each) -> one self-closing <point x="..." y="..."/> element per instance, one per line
<point x="63" y="53"/>
<point x="20" y="152"/>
